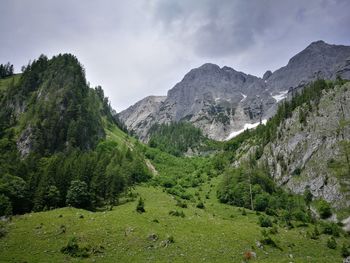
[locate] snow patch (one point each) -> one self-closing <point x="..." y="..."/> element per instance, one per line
<point x="280" y="96"/>
<point x="244" y="97"/>
<point x="247" y="126"/>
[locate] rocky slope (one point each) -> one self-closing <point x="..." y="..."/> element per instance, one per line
<point x="313" y="153"/>
<point x="221" y="101"/>
<point x="318" y="61"/>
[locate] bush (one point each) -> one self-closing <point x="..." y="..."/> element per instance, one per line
<point x="331" y="243"/>
<point x="181" y="204"/>
<point x="345" y="251"/>
<point x="200" y="205"/>
<point x="3" y="230"/>
<point x="140" y="208"/>
<point x="271" y="212"/>
<point x="315" y="233"/>
<point x="324" y="209"/>
<point x="301" y="216"/>
<point x="73" y="249"/>
<point x="265" y="221"/>
<point x="5" y="206"/>
<point x="262" y="201"/>
<point x="330" y="228"/>
<point x="177" y="213"/>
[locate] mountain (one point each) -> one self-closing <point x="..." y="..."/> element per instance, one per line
<point x="60" y="144"/>
<point x="318" y="61"/>
<point x="305" y="146"/>
<point x="223" y="101"/>
<point x="312" y="149"/>
<point x="259" y="196"/>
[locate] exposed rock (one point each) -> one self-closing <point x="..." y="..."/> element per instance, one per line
<point x="25" y="142"/>
<point x="300" y="156"/>
<point x="267" y="74"/>
<point x="318" y="60"/>
<point x="220" y="101"/>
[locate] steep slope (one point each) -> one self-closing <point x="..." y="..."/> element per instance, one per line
<point x="312" y="148"/>
<point x="318" y="61"/>
<point x="216" y="100"/>
<point x="59" y="142"/>
<point x="139" y="117"/>
<point x="222" y="101"/>
<point x="50" y="105"/>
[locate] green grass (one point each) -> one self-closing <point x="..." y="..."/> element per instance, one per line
<point x="113" y="133"/>
<point x="4" y="83"/>
<point x="218" y="233"/>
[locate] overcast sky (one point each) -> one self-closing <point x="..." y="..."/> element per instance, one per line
<point x="144" y="47"/>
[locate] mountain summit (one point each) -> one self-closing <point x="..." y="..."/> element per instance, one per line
<point x="222" y="101"/>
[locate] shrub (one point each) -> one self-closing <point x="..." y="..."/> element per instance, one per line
<point x="324" y="209"/>
<point x="330" y="228"/>
<point x="140" y="208"/>
<point x="265" y="221"/>
<point x="271" y="212"/>
<point x="5" y="206"/>
<point x="200" y="205"/>
<point x="273" y="230"/>
<point x="268" y="241"/>
<point x="177" y="213"/>
<point x="331" y="243"/>
<point x="315" y="233"/>
<point x="262" y="201"/>
<point x="181" y="204"/>
<point x="3" y="230"/>
<point x="301" y="216"/>
<point x="73" y="249"/>
<point x="345" y="251"/>
<point x="171" y="239"/>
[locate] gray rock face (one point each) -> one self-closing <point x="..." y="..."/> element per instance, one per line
<point x="220" y="101"/>
<point x="267" y="74"/>
<point x="318" y="60"/>
<point x="302" y="154"/>
<point x="217" y="100"/>
<point x="140" y="116"/>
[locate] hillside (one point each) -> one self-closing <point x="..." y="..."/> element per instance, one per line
<point x="305" y="145"/>
<point x="60" y="144"/>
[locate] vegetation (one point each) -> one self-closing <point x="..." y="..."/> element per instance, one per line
<point x="122" y="234"/>
<point x="176" y="138"/>
<point x="58" y="123"/>
<point x="62" y="147"/>
<point x="6" y="70"/>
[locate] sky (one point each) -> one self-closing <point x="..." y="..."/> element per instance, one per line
<point x="136" y="48"/>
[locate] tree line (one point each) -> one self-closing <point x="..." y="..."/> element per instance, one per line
<point x="6" y="70"/>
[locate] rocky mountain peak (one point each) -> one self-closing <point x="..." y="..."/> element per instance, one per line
<point x="220" y="101"/>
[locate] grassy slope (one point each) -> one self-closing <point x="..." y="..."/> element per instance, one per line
<point x="219" y="233"/>
<point x="4" y="83"/>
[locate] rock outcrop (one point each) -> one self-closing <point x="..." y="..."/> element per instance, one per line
<point x="221" y="101"/>
<point x="308" y="154"/>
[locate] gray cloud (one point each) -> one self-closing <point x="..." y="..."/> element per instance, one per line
<point x="142" y="47"/>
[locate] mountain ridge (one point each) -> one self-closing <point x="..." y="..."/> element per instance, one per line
<point x="220" y="101"/>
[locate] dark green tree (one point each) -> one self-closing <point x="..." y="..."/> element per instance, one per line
<point x="78" y="195"/>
